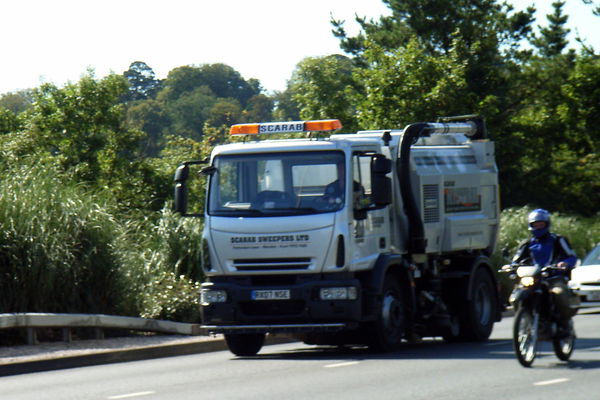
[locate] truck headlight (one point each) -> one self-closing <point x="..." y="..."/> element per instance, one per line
<point x="208" y="297"/>
<point x="338" y="293"/>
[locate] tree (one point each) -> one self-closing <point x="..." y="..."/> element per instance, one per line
<point x="286" y="109"/>
<point x="16" y="102"/>
<point x="260" y="108"/>
<point x="409" y="85"/>
<point x="142" y="81"/>
<point x="437" y="23"/>
<point x="226" y="82"/>
<point x="189" y="111"/>
<point x="553" y="38"/>
<point x="225" y="112"/>
<point x="9" y="121"/>
<point x="221" y="79"/>
<point x="488" y="31"/>
<point x="322" y="86"/>
<point x="151" y="117"/>
<point x="81" y="128"/>
<point x="555" y="127"/>
<point x="437" y="57"/>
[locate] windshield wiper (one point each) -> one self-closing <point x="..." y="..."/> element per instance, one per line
<point x="303" y="210"/>
<point x="238" y="211"/>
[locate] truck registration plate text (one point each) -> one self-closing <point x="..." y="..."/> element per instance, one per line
<point x="281" y="294"/>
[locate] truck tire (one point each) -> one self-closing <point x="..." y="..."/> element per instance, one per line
<point x="478" y="319"/>
<point x="245" y="344"/>
<point x="387" y="332"/>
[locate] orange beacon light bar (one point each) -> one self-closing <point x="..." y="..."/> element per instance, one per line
<point x="286" y="127"/>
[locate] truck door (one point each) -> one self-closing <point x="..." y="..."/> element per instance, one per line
<point x="369" y="230"/>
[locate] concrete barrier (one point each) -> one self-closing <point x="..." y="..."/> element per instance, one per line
<point x="31" y="321"/>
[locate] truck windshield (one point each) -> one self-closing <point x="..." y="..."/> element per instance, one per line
<point x="277" y="184"/>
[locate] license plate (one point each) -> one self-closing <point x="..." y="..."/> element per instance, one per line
<point x="279" y="294"/>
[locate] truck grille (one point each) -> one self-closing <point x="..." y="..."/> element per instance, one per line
<point x="272" y="264"/>
<point x="271" y="308"/>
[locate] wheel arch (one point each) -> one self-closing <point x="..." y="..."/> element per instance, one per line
<point x="374" y="279"/>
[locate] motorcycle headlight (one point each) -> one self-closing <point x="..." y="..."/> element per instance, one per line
<point x="527" y="281"/>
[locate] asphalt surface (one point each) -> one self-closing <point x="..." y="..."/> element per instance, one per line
<point x="61" y="355"/>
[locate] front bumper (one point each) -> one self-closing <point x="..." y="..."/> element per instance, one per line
<point x="304" y="311"/>
<point x="588" y="293"/>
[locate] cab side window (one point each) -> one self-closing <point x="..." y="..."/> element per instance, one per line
<point x="361" y="174"/>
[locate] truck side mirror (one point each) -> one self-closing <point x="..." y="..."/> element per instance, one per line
<point x="381" y="194"/>
<point x="181" y="191"/>
<point x="180" y="198"/>
<point x="381" y="165"/>
<point x="181" y="175"/>
<point x="381" y="185"/>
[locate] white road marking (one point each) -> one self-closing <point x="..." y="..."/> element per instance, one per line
<point x="343" y="364"/>
<point x="130" y="395"/>
<point x="551" y="382"/>
<point x="502" y="343"/>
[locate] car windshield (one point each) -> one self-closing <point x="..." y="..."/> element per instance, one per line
<point x="277" y="184"/>
<point x="593" y="257"/>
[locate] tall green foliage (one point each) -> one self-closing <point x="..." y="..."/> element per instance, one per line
<point x="408" y="85"/>
<point x="162" y="263"/>
<point x="322" y="88"/>
<point x="81" y="127"/>
<point x="56" y="241"/>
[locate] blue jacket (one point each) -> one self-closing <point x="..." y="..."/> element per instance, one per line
<point x="547" y="250"/>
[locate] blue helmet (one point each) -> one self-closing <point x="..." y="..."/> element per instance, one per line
<point x="539" y="215"/>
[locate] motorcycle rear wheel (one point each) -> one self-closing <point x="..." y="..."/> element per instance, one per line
<point x="525" y="337"/>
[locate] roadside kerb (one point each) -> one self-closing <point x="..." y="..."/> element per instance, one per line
<point x="32" y="321"/>
<point x="204" y="344"/>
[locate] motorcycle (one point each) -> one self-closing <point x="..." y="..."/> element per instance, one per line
<point x="536" y="314"/>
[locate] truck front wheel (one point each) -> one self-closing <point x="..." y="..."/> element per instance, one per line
<point x="245" y="344"/>
<point x="387" y="332"/>
<point x="480" y="309"/>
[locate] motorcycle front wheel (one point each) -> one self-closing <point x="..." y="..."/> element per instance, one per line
<point x="525" y="337"/>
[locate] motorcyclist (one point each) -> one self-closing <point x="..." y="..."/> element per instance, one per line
<point x="545" y="248"/>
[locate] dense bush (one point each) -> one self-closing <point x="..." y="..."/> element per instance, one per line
<point x="162" y="260"/>
<point x="583" y="233"/>
<point x="63" y="250"/>
<point x="56" y="252"/>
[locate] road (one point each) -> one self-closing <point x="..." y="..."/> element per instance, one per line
<point x="429" y="370"/>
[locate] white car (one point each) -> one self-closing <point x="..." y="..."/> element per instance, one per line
<point x="585" y="278"/>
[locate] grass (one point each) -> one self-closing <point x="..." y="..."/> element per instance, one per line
<point x="62" y="249"/>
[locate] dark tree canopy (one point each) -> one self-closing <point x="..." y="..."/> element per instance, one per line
<point x="142" y="81"/>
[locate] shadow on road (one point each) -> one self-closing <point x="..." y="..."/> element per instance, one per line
<point x="435" y="350"/>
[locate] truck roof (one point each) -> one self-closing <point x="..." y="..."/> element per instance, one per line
<point x="335" y="142"/>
